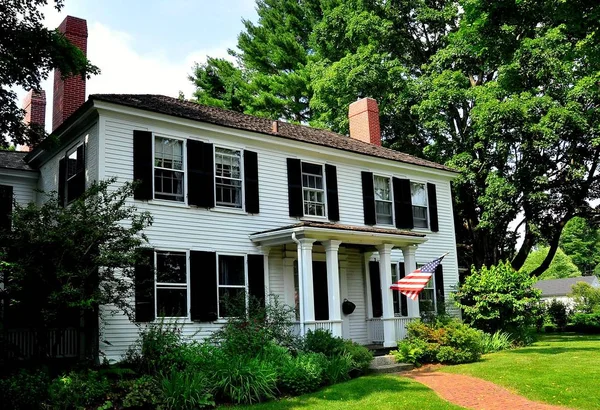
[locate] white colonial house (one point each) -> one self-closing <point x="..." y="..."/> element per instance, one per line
<point x="246" y="205"/>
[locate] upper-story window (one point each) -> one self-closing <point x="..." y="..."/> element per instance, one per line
<point x="383" y="200"/>
<point x="228" y="177"/>
<point x="169" y="171"/>
<point x="171" y="284"/>
<point x="313" y="189"/>
<point x="232" y="283"/>
<point x="419" y="204"/>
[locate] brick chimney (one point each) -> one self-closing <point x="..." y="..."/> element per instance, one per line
<point x="34" y="105"/>
<point x="363" y="116"/>
<point x="69" y="94"/>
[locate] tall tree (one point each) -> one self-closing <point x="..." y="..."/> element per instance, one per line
<point x="562" y="265"/>
<point x="581" y="241"/>
<point x="29" y="51"/>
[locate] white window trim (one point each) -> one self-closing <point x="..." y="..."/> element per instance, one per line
<point x="245" y="287"/>
<point x="242" y="179"/>
<point x="187" y="278"/>
<point x="183" y="170"/>
<point x="428" y="227"/>
<point x="318" y="217"/>
<point x="419" y="265"/>
<point x="389" y="178"/>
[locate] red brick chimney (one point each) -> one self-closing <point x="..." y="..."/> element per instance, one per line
<point x="363" y="116"/>
<point x="34" y="105"/>
<point x="69" y="94"/>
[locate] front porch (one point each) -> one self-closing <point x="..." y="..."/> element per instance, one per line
<point x="318" y="272"/>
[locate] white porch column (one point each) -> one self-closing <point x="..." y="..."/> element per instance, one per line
<point x="410" y="264"/>
<point x="266" y="250"/>
<point x="305" y="279"/>
<point x="385" y="275"/>
<point x="333" y="285"/>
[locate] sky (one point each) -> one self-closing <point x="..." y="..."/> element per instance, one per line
<point x="150" y="46"/>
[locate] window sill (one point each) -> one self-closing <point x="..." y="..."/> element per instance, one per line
<point x="226" y="210"/>
<point x="423" y="230"/>
<point x="166" y="202"/>
<point x="315" y="218"/>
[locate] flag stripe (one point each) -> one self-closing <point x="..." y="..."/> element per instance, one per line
<point x="413" y="284"/>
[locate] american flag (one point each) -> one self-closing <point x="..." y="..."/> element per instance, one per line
<point x="412" y="284"/>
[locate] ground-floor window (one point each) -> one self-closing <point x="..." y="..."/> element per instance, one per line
<point x="232" y="284"/>
<point x="171" y="284"/>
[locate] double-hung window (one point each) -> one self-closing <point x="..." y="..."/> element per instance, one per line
<point x="427" y="297"/>
<point x="169" y="168"/>
<point x="383" y="200"/>
<point x="313" y="189"/>
<point x="396" y="294"/>
<point x="228" y="177"/>
<point x="418" y="193"/>
<point x="232" y="284"/>
<point x="171" y="284"/>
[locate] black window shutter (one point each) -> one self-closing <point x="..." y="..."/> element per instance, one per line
<point x="402" y="203"/>
<point x="333" y="206"/>
<point x="143" y="158"/>
<point x="256" y="277"/>
<point x="440" y="297"/>
<point x="201" y="177"/>
<point x="62" y="179"/>
<point x="376" y="301"/>
<point x="203" y="286"/>
<point x="403" y="300"/>
<point x="6" y="204"/>
<point x="321" y="298"/>
<point x="251" y="181"/>
<point x="433" y="209"/>
<point x="144" y="286"/>
<point x="294" y="174"/>
<point x="76" y="185"/>
<point x="368" y="198"/>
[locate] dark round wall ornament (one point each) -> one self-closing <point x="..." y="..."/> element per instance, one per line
<point x="348" y="307"/>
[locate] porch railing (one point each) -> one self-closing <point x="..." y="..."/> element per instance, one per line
<point x="375" y="328"/>
<point x="50" y="343"/>
<point x="326" y="325"/>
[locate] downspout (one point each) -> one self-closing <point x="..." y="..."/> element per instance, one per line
<point x="300" y="283"/>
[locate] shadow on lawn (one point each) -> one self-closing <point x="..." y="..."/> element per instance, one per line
<point x="353" y="390"/>
<point x="552" y="350"/>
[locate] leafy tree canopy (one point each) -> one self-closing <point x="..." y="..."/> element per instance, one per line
<point x="581" y="241"/>
<point x="586" y="298"/>
<point x="29" y="52"/>
<point x="561" y="266"/>
<point x="506" y="92"/>
<point x="72" y="259"/>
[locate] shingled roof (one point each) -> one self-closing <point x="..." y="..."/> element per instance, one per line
<point x="14" y="160"/>
<point x="562" y="287"/>
<point x="219" y="116"/>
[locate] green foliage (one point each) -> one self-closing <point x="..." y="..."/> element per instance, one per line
<point x="143" y="392"/>
<point x="24" y="390"/>
<point x="499" y="298"/>
<point x="444" y="342"/>
<point x="561" y="266"/>
<point x="29" y="52"/>
<point x="303" y="373"/>
<point x="78" y="389"/>
<point x="496" y="342"/>
<point x="585" y="323"/>
<point x="242" y="380"/>
<point x="558" y="313"/>
<point x="322" y="341"/>
<point x="360" y="355"/>
<point x="64" y="260"/>
<point x="183" y="390"/>
<point x="585" y="297"/>
<point x="337" y="368"/>
<point x="581" y="242"/>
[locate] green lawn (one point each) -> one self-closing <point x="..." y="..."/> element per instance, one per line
<point x="561" y="369"/>
<point x="365" y="393"/>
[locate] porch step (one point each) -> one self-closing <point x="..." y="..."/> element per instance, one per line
<point x="387" y="364"/>
<point x="379" y="350"/>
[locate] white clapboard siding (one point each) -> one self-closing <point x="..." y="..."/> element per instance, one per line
<point x="24" y="184"/>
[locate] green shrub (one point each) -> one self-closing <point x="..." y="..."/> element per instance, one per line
<point x="558" y="313"/>
<point x="142" y="393"/>
<point x="500" y="298"/>
<point x="451" y="343"/>
<point x="337" y="368"/>
<point x="496" y="342"/>
<point x="76" y="390"/>
<point x="24" y="390"/>
<point x="585" y="297"/>
<point x="322" y="341"/>
<point x="585" y="323"/>
<point x="158" y="347"/>
<point x="360" y="355"/>
<point x="185" y="390"/>
<point x="303" y="374"/>
<point x="242" y="380"/>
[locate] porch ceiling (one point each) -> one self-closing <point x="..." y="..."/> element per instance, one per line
<point x="349" y="234"/>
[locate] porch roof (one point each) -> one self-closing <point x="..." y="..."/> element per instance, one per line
<point x="350" y="234"/>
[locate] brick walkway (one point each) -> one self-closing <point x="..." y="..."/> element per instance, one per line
<point x="473" y="393"/>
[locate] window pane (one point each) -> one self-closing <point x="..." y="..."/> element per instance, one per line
<point x="314" y="169"/>
<point x="382" y="188"/>
<point x="72" y="164"/>
<point x="231" y="270"/>
<point x="383" y="211"/>
<point x="171" y="302"/>
<point x="170" y="267"/>
<point x="168" y="184"/>
<point x="418" y="193"/>
<point x="231" y="298"/>
<point x="426" y="300"/>
<point x="168" y="153"/>
<point x="420" y="216"/>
